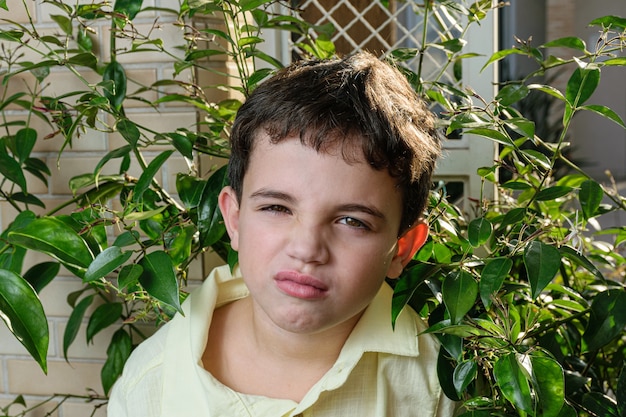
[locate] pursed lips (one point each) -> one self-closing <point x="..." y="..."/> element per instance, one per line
<point x="300" y="285"/>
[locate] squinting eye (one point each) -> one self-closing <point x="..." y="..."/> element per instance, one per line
<point x="352" y="222"/>
<point x="276" y="208"/>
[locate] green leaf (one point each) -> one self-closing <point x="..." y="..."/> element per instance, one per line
<point x="28" y="199"/>
<point x="129" y="7"/>
<point x="64" y="23"/>
<point x="85" y="59"/>
<point x="117" y="353"/>
<point x="445" y="372"/>
<point x="512" y="93"/>
<point x="247" y="5"/>
<point x="552" y="193"/>
<point x="513" y="382"/>
<point x="502" y="54"/>
<point x="617" y="61"/>
<point x="607" y="319"/>
<point x="106" y="262"/>
<point x="83" y="40"/>
<point x="599" y="404"/>
<point x="613" y="22"/>
<point x="40" y="275"/>
<point x="128" y="238"/>
<point x="55" y="238"/>
<point x="492" y="278"/>
<point x="605" y="112"/>
<point x="114" y="72"/>
<point x="459" y="290"/>
<point x="202" y="53"/>
<point x="495" y="135"/>
<point x="159" y="279"/>
<point x="147" y="176"/>
<point x="129" y="276"/>
<point x="178" y="243"/>
<point x="620" y="392"/>
<point x="248" y="40"/>
<point x="23" y="314"/>
<point x="579" y="259"/>
<point x="258" y="76"/>
<point x="537" y="158"/>
<point x="516" y="185"/>
<point x="182" y="144"/>
<point x="189" y="189"/>
<point x="74" y="322"/>
<point x="590" y="196"/>
<point x="210" y="223"/>
<point x="11" y="170"/>
<point x="581" y="86"/>
<point x="567" y="42"/>
<point x="129" y="131"/>
<point x="125" y="127"/>
<point x="478" y="231"/>
<point x="548" y="89"/>
<point x="549" y="384"/>
<point x="10" y="35"/>
<point x="464" y="373"/>
<point x="542" y="262"/>
<point x="102" y="317"/>
<point x="24" y="142"/>
<point x="406" y="286"/>
<point x="513" y="216"/>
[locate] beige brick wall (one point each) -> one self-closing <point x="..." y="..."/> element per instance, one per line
<point x="19" y="374"/>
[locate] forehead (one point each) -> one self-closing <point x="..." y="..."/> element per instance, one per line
<point x="328" y="175"/>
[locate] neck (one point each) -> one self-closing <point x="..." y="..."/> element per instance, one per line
<point x="322" y="347"/>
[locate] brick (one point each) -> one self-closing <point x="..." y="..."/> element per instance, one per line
<point x="17" y="12"/>
<point x="54" y="296"/>
<point x="75" y="378"/>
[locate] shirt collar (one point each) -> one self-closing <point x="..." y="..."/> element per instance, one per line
<point x="374" y="332"/>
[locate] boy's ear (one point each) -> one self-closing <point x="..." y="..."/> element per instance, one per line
<point x="408" y="245"/>
<point x="229" y="206"/>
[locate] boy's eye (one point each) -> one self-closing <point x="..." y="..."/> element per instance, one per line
<point x="276" y="208"/>
<point x="352" y="222"/>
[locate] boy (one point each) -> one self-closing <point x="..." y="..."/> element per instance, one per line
<point x="330" y="171"/>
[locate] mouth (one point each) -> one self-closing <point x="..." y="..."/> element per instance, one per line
<point x="298" y="285"/>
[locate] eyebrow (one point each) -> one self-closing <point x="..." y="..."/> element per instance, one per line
<point x="268" y="193"/>
<point x="362" y="208"/>
<point x="350" y="207"/>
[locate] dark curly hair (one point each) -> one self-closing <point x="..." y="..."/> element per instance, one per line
<point x="357" y="102"/>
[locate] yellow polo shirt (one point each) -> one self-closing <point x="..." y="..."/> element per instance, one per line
<point x="379" y="372"/>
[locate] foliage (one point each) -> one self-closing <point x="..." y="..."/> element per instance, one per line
<point x="526" y="296"/>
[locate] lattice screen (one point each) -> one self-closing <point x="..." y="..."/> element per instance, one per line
<point x="378" y="27"/>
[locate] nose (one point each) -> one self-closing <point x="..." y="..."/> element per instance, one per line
<point x="308" y="244"/>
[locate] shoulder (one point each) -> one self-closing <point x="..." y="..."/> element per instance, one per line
<point x="145" y="360"/>
<point x="141" y="378"/>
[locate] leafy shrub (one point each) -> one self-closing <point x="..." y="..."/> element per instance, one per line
<point x="526" y="296"/>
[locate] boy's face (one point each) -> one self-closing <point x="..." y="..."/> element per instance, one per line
<point x="316" y="235"/>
